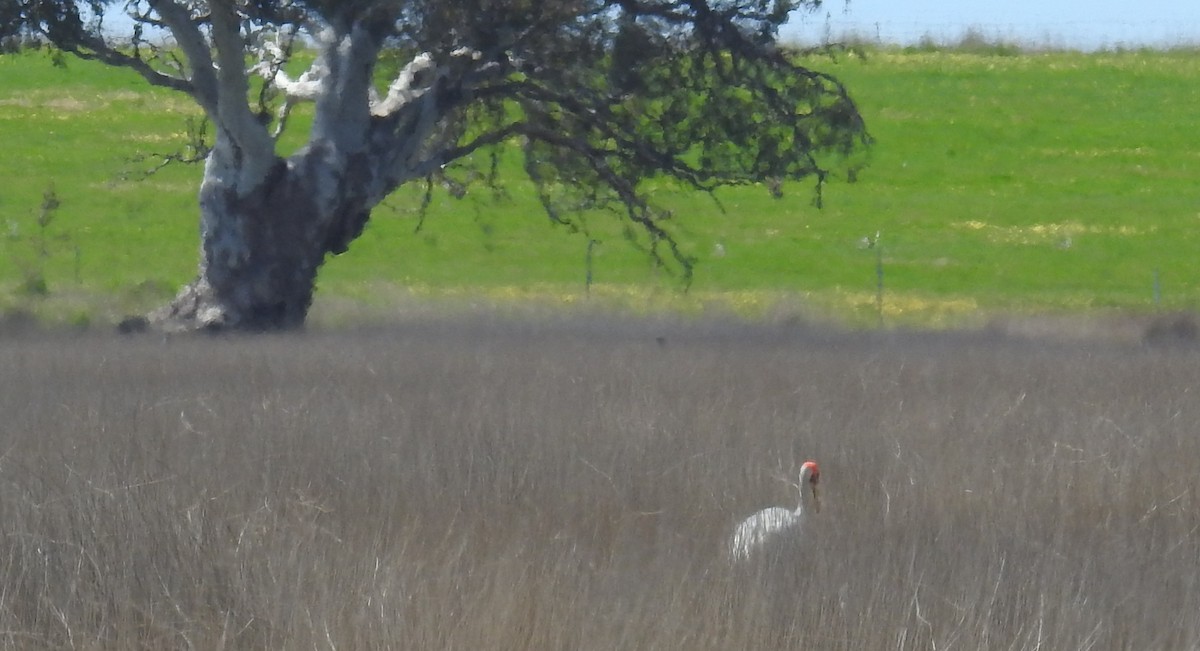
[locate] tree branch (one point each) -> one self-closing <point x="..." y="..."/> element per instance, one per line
<point x="635" y="206"/>
<point x="403" y="88"/>
<point x="233" y="109"/>
<point x="272" y="59"/>
<point x="598" y="117"/>
<point x="195" y="150"/>
<point x="344" y="106"/>
<point x="178" y="19"/>
<point x="96" y="49"/>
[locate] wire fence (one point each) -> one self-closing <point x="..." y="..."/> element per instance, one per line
<point x="1072" y="34"/>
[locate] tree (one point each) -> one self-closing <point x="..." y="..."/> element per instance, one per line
<point x="596" y="95"/>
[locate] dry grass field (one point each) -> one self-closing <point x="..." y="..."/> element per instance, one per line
<point x="570" y="483"/>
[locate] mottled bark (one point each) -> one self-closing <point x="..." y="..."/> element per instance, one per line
<point x="261" y="249"/>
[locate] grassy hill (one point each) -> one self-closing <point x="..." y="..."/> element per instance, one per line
<point x="1000" y="182"/>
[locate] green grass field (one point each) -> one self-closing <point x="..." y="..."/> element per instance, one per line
<point x="1020" y="183"/>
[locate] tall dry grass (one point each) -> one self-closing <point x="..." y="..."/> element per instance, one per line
<point x="570" y="485"/>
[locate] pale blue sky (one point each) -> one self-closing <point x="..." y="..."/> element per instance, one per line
<point x="1083" y="24"/>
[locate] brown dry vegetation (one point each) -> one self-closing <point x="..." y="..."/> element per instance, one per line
<point x="570" y="485"/>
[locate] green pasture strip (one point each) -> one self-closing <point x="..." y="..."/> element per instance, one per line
<point x="1027" y="182"/>
<point x="78" y="129"/>
<point x="1039" y="180"/>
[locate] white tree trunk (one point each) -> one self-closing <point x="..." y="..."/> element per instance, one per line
<point x="263" y="240"/>
<point x="267" y="223"/>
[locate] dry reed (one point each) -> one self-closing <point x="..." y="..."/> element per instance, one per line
<point x="570" y="485"/>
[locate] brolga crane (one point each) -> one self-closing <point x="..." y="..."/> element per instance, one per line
<point x="774" y="522"/>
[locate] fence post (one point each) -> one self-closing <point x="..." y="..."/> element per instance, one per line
<point x="587" y="287"/>
<point x="1157" y="290"/>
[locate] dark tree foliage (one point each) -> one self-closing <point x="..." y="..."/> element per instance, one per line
<point x="599" y="95"/>
<point x="12" y="25"/>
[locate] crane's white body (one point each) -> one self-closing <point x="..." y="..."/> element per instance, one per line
<point x="756" y="530"/>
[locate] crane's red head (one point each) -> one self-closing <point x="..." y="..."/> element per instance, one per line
<point x="810" y="468"/>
